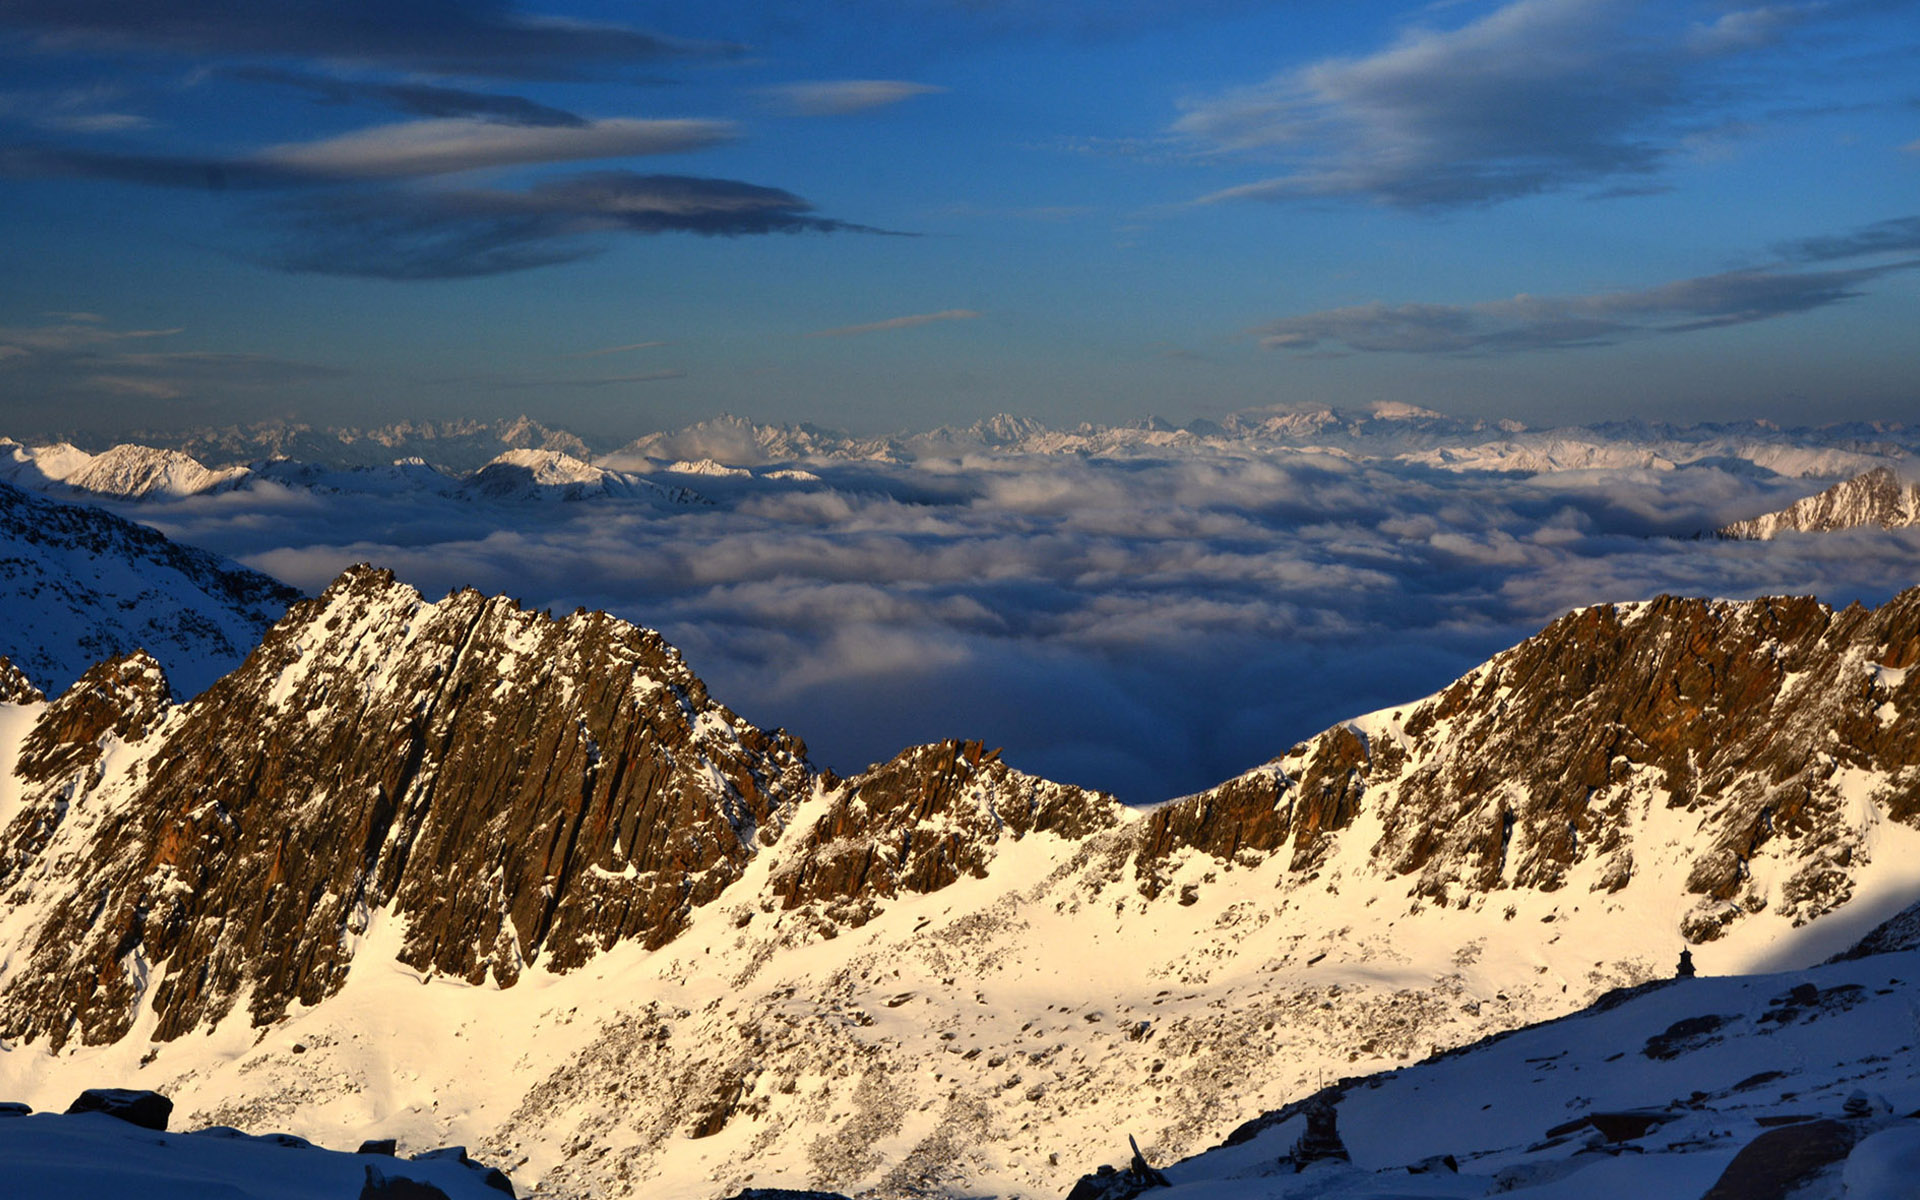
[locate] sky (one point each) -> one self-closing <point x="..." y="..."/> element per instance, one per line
<point x="889" y="214"/>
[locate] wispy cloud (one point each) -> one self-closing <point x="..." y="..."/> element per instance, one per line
<point x="405" y="150"/>
<point x="416" y="99"/>
<point x="951" y="314"/>
<point x="628" y="348"/>
<point x="84" y="358"/>
<point x="438" y="147"/>
<point x="491" y="39"/>
<point x="1900" y="235"/>
<point x="413" y="234"/>
<point x="578" y="381"/>
<point x="1536" y="96"/>
<point x="1562" y="322"/>
<point x="839" y="97"/>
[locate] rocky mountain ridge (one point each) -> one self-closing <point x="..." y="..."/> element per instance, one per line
<point x="664" y="952"/>
<point x="1878" y="498"/>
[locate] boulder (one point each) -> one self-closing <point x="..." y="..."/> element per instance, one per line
<point x="149" y="1110"/>
<point x="1776" y="1163"/>
<point x="381" y="1186"/>
<point x="493" y="1177"/>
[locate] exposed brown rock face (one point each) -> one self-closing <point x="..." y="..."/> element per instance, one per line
<point x="15" y="687"/>
<point x="512" y="786"/>
<point x="1305" y="796"/>
<point x="1749" y="714"/>
<point x="515" y="789"/>
<point x="921" y="821"/>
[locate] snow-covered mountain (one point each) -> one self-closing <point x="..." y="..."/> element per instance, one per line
<point x="458" y="446"/>
<point x="133" y="473"/>
<point x="550" y="475"/>
<point x="1876" y="498"/>
<point x="127" y="472"/>
<point x="457" y="872"/>
<point x="79" y="585"/>
<point x="1801" y="1083"/>
<point x="1385" y="432"/>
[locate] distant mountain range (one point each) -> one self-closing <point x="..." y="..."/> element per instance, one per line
<point x="130" y="472"/>
<point x="457" y="872"/>
<point x="450" y="453"/>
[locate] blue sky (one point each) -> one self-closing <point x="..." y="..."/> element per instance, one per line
<point x="884" y="214"/>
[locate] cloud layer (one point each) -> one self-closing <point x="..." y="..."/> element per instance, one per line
<point x="1150" y="625"/>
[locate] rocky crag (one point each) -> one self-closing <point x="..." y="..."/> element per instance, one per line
<point x="1875" y="499"/>
<point x="662" y="952"/>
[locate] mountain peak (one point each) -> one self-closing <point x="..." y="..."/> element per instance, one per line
<point x="1877" y="497"/>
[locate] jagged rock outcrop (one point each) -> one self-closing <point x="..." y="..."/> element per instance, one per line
<point x="1753" y="715"/>
<point x="512" y="787"/>
<point x="15" y="687"/>
<point x="921" y="821"/>
<point x="1876" y="498"/>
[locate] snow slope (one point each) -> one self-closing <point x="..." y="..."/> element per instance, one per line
<point x="78" y="585"/>
<point x="1694" y="1070"/>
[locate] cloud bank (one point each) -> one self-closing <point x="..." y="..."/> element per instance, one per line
<point x="1148" y="624"/>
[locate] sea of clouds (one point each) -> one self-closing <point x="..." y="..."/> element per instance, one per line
<point x="1146" y="624"/>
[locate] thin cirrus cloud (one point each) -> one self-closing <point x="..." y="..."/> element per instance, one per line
<point x="412" y="234"/>
<point x="1899" y="235"/>
<point x="1536" y="96"/>
<point x="407" y="149"/>
<point x="489" y="39"/>
<point x="450" y="145"/>
<point x="45" y="369"/>
<point x="908" y="322"/>
<point x="1563" y="322"/>
<point x="414" y="99"/>
<point x="840" y="97"/>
